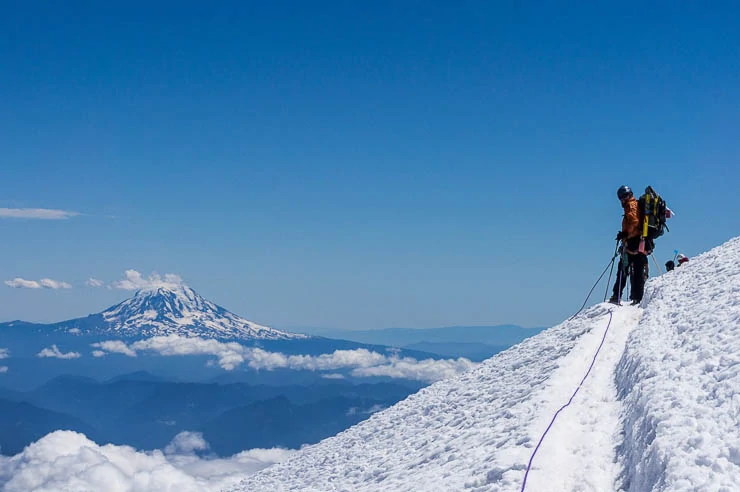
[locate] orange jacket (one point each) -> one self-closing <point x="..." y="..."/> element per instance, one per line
<point x="631" y="226"/>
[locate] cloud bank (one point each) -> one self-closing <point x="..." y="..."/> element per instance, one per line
<point x="54" y="352"/>
<point x="36" y="213"/>
<point x="133" y="280"/>
<point x="230" y="355"/>
<point x="66" y="461"/>
<point x="44" y="283"/>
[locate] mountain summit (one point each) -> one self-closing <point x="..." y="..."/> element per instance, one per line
<point x="164" y="309"/>
<point x="179" y="310"/>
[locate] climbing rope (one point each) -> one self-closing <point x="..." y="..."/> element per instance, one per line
<point x="593" y="361"/>
<point x="611" y="263"/>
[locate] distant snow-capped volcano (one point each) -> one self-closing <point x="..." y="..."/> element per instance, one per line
<point x="165" y="309"/>
<point x="178" y="309"/>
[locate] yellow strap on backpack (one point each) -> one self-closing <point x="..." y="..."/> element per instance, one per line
<point x="645" y="219"/>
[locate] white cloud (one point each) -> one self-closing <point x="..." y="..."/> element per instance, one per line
<point x="421" y="370"/>
<point x="69" y="461"/>
<point x="333" y="375"/>
<point x="93" y="282"/>
<point x="133" y="280"/>
<point x="21" y="283"/>
<point x="36" y="213"/>
<point x="98" y="353"/>
<point x="187" y="443"/>
<point x="54" y="284"/>
<point x="54" y="352"/>
<point x="113" y="346"/>
<point x="44" y="283"/>
<point x="231" y="355"/>
<point x="4" y="354"/>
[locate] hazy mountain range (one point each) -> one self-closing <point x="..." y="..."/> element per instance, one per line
<point x="146" y="412"/>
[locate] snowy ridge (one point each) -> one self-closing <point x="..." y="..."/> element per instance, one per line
<point x="679" y="380"/>
<point x="474" y="432"/>
<point x="179" y="310"/>
<point x="659" y="412"/>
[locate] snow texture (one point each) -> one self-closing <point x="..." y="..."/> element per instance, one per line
<point x="660" y="410"/>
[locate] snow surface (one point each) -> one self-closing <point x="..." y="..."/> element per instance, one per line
<point x="660" y="410"/>
<point x="164" y="310"/>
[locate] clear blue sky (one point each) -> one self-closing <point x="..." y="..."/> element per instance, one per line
<point x="358" y="164"/>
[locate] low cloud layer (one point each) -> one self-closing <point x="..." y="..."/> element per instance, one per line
<point x="421" y="370"/>
<point x="36" y="213"/>
<point x="54" y="352"/>
<point x="44" y="283"/>
<point x="133" y="280"/>
<point x="68" y="461"/>
<point x="230" y="355"/>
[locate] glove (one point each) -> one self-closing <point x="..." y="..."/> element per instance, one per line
<point x="620" y="236"/>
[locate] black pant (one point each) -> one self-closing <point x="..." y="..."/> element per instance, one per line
<point x="636" y="268"/>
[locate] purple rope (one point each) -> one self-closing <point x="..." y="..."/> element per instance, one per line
<point x="529" y="466"/>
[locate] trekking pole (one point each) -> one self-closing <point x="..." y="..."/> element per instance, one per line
<point x="656" y="262"/>
<point x="606" y="292"/>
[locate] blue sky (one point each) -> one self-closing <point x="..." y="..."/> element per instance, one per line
<point x="358" y="164"/>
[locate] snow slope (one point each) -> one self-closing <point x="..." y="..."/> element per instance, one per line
<point x="659" y="410"/>
<point x="679" y="380"/>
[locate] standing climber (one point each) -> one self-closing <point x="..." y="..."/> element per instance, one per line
<point x="634" y="261"/>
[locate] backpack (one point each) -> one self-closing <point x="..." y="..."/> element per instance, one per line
<point x="652" y="214"/>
